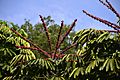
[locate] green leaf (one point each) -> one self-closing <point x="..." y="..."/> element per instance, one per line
<point x="72" y="73"/>
<point x="112" y="65"/>
<point x="104" y="64"/>
<point x="0" y="75"/>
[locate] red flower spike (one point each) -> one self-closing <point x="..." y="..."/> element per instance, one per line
<point x="47" y="33"/>
<point x="115" y="31"/>
<point x="109" y="6"/>
<point x="62" y="24"/>
<point x="112" y="9"/>
<point x="66" y="34"/>
<point x="39" y="49"/>
<point x="25" y="47"/>
<point x="69" y="47"/>
<point x="116" y="27"/>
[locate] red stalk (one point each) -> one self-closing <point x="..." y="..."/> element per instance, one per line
<point x="109" y="6"/>
<point x="116" y="27"/>
<point x="69" y="47"/>
<point x="30" y="42"/>
<point x="47" y="33"/>
<point x="113" y="10"/>
<point x="58" y="39"/>
<point x="66" y="34"/>
<point x="110" y="31"/>
<point x="38" y="49"/>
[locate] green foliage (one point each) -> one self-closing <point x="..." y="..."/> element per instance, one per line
<point x="10" y="57"/>
<point x="96" y="57"/>
<point x="97" y="54"/>
<point x="100" y="53"/>
<point x="23" y="63"/>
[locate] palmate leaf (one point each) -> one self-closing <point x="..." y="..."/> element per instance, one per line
<point x="16" y="59"/>
<point x="23" y="33"/>
<point x="61" y="60"/>
<point x="83" y="32"/>
<point x="2" y="37"/>
<point x="85" y="36"/>
<point x="117" y="62"/>
<point x="8" y="78"/>
<point x="82" y="35"/>
<point x="93" y="64"/>
<point x="10" y="52"/>
<point x="77" y="71"/>
<point x="79" y="35"/>
<point x="21" y="58"/>
<point x="27" y="52"/>
<point x="6" y="67"/>
<point x="42" y="62"/>
<point x="7" y="51"/>
<point x="110" y="64"/>
<point x="5" y="30"/>
<point x="12" y="57"/>
<point x="90" y="34"/>
<point x="103" y="36"/>
<point x="12" y="40"/>
<point x="80" y="51"/>
<point x="57" y="78"/>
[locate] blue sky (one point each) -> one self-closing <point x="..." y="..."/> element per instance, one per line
<point x="68" y="10"/>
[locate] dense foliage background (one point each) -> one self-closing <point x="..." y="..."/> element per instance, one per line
<point x="47" y="51"/>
